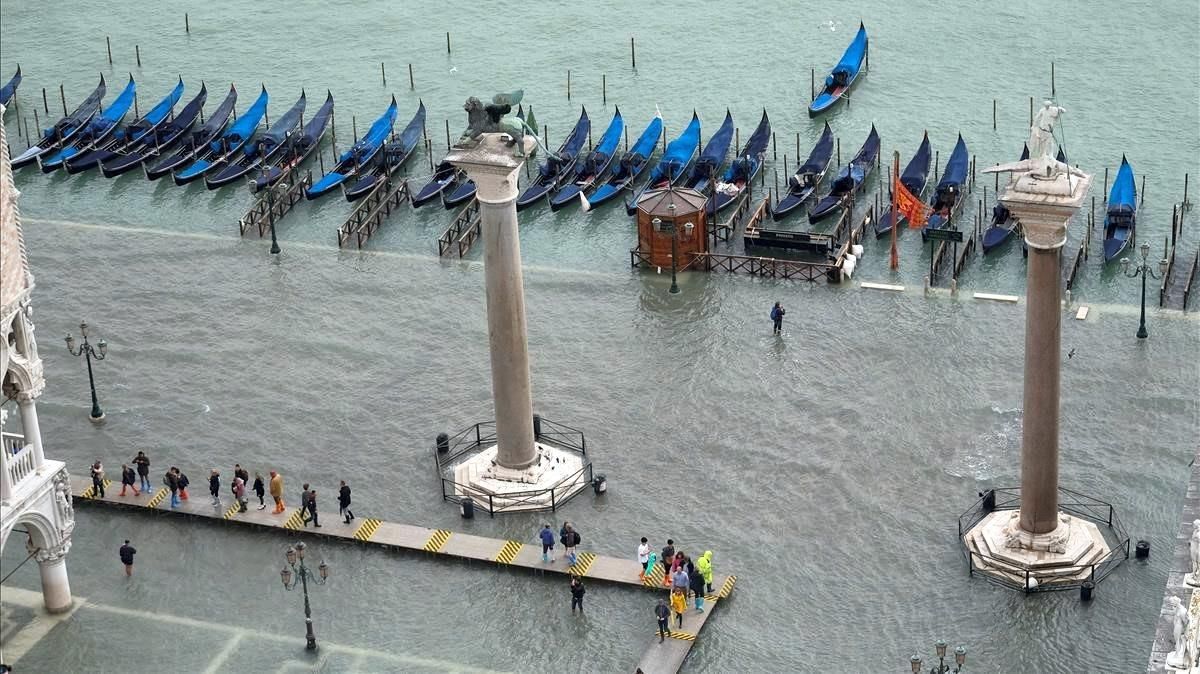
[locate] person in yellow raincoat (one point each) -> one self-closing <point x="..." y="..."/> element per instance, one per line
<point x="276" y="490"/>
<point x="704" y="565"/>
<point x="678" y="606"/>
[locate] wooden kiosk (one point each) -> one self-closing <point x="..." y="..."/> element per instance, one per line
<point x="671" y="224"/>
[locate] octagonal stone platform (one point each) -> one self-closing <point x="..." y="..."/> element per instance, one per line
<point x="556" y="476"/>
<point x="1000" y="548"/>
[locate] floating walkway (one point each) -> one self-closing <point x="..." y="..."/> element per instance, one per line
<point x="665" y="657"/>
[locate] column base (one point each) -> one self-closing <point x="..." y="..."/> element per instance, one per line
<point x="96" y="420"/>
<point x="1066" y="556"/>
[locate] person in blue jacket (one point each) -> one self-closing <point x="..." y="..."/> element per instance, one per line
<point x="547" y="536"/>
<point x="777" y="313"/>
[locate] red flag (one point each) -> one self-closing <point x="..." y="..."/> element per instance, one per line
<point x="909" y="206"/>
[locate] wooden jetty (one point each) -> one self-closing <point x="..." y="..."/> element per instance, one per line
<point x="1180" y="277"/>
<point x="462" y="232"/>
<point x="273" y="203"/>
<point x="372" y="210"/>
<point x="444" y="543"/>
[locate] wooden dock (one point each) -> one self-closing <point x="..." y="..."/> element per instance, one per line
<point x="372" y="210"/>
<point x="665" y="657"/>
<point x="274" y="202"/>
<point x="462" y="232"/>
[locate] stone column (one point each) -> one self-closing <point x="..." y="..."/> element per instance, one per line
<point x="1043" y="329"/>
<point x="494" y="169"/>
<point x="29" y="424"/>
<point x="56" y="586"/>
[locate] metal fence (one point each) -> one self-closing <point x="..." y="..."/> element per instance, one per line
<point x="1074" y="503"/>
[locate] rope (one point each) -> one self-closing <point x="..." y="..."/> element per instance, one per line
<point x="10" y="573"/>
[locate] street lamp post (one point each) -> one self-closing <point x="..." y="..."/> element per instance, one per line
<point x="88" y="352"/>
<point x="271" y="214"/>
<point x="1143" y="269"/>
<point x="295" y="565"/>
<point x="960" y="659"/>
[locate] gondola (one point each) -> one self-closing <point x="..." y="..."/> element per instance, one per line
<point x="712" y="158"/>
<point x="843" y="75"/>
<point x="95" y="132"/>
<point x="462" y="191"/>
<point x="558" y="166"/>
<point x="152" y="145"/>
<point x="268" y="146"/>
<point x="10" y="89"/>
<point x="914" y="178"/>
<point x="673" y="162"/>
<point x="849" y="180"/>
<point x="804" y="183"/>
<point x="299" y="147"/>
<point x="947" y="196"/>
<point x="131" y="135"/>
<point x="743" y="170"/>
<point x="1003" y="223"/>
<point x="358" y="157"/>
<point x="395" y="154"/>
<point x="631" y="165"/>
<point x="445" y="176"/>
<point x="594" y="167"/>
<point x="64" y="129"/>
<point x="1121" y="218"/>
<point x="227" y="145"/>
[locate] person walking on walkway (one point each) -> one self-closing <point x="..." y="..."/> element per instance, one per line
<point x="259" y="490"/>
<point x="679" y="580"/>
<point x="678" y="605"/>
<point x="239" y="493"/>
<point x="183" y="484"/>
<point x="344" y="502"/>
<point x="238" y="471"/>
<point x="696" y="583"/>
<point x="777" y="313"/>
<point x="577" y="592"/>
<point x="304" y="509"/>
<point x="312" y="508"/>
<point x="214" y="486"/>
<point x="570" y="540"/>
<point x="126" y="554"/>
<point x="663" y="615"/>
<point x="97" y="480"/>
<point x="172" y="483"/>
<point x="277" y="492"/>
<point x="704" y="565"/>
<point x="547" y="536"/>
<point x="143" y="470"/>
<point x="667" y="558"/>
<point x="127" y="480"/>
<point x="643" y="556"/>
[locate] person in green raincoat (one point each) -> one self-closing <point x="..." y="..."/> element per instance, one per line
<point x="704" y="564"/>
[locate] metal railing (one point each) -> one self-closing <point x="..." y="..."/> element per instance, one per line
<point x="471" y="439"/>
<point x="1071" y="502"/>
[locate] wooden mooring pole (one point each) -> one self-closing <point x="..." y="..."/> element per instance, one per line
<point x="45" y="103"/>
<point x="383" y="73"/>
<point x="774" y="151"/>
<point x="1186" y="204"/>
<point x="812" y="84"/>
<point x="108" y="46"/>
<point x="411" y="84"/>
<point x="137" y="52"/>
<point x="1142" y="195"/>
<point x="993" y="114"/>
<point x="568" y="85"/>
<point x="604" y="89"/>
<point x="447" y="42"/>
<point x="62" y="94"/>
<point x="838" y="142"/>
<point x="1053" y="90"/>
<point x="1031" y="111"/>
<point x="1104" y="194"/>
<point x="447" y="135"/>
<point x="187" y="26"/>
<point x="632" y="52"/>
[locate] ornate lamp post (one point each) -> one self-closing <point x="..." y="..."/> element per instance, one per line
<point x="295" y="565"/>
<point x="271" y="213"/>
<point x="1144" y="269"/>
<point x="88" y="352"/>
<point x="960" y="659"/>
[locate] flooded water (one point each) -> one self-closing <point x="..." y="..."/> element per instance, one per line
<point x="826" y="468"/>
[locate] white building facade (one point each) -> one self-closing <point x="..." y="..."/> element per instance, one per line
<point x="35" y="492"/>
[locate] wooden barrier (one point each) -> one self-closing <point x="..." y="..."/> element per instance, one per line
<point x="270" y="205"/>
<point x="374" y="208"/>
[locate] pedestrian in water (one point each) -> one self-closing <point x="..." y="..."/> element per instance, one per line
<point x="304" y="510"/>
<point x="143" y="470"/>
<point x="577" y="592"/>
<point x="678" y="605"/>
<point x="696" y="583"/>
<point x="570" y="540"/>
<point x="239" y="493"/>
<point x="777" y="313"/>
<point x="663" y="614"/>
<point x="679" y="580"/>
<point x="643" y="556"/>
<point x="97" y="480"/>
<point x="312" y="507"/>
<point x="344" y="502"/>
<point x="704" y="565"/>
<point x="172" y="482"/>
<point x="547" y="537"/>
<point x="126" y="554"/>
<point x="277" y="492"/>
<point x="214" y="486"/>
<point x="668" y="556"/>
<point x="127" y="479"/>
<point x="183" y="484"/>
<point x="259" y="490"/>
